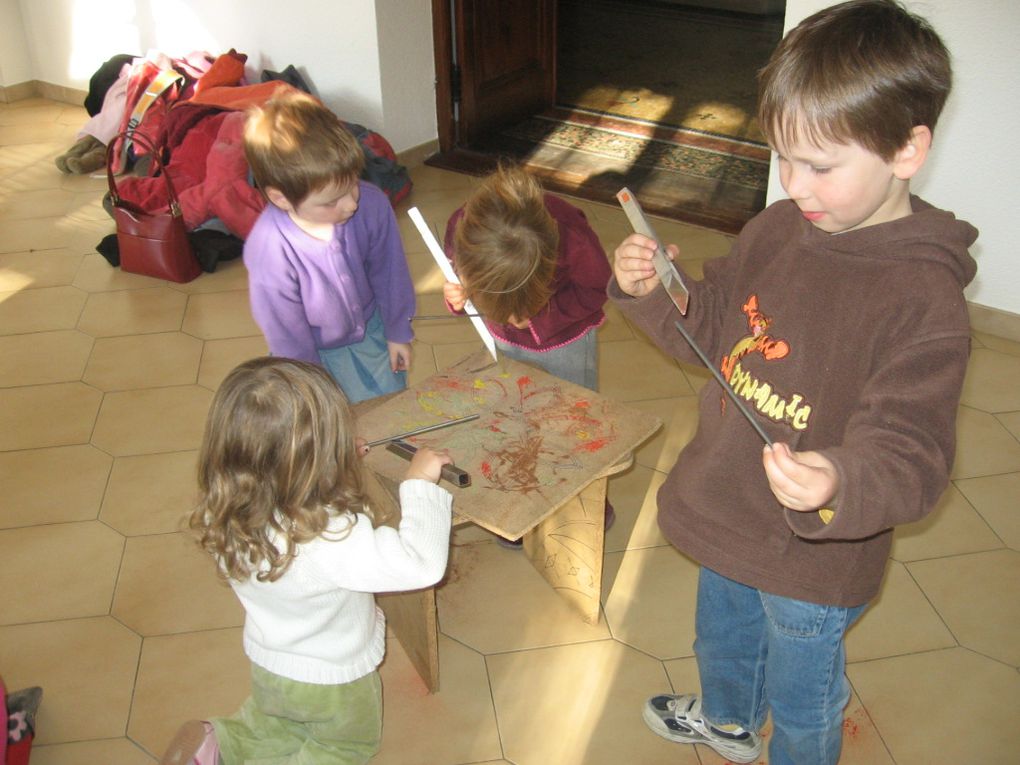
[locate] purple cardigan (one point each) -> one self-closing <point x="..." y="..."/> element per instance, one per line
<point x="307" y="294"/>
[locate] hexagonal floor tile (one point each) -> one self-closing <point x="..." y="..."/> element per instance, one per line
<point x="196" y="675"/>
<point x="952" y="528"/>
<point x="659" y="376"/>
<point x="548" y="713"/>
<point x="976" y="597"/>
<point x="86" y="668"/>
<point x="680" y="421"/>
<point x="216" y="315"/>
<point x="111" y="751"/>
<point x="144" y="361"/>
<point x="1011" y="422"/>
<point x="991" y="381"/>
<point x="43" y="357"/>
<point x="63" y="571"/>
<point x="983" y="446"/>
<point x="47" y="415"/>
<point x="916" y="703"/>
<point x="493" y="600"/>
<point x="56" y="485"/>
<point x="615" y="327"/>
<point x="632" y="494"/>
<point x="221" y="356"/>
<point x="152" y="420"/>
<point x="410" y="712"/>
<point x="133" y="312"/>
<point x="34" y="204"/>
<point x="995" y="498"/>
<point x="51" y="268"/>
<point x="649" y="598"/>
<point x="25" y="235"/>
<point x="899" y="621"/>
<point x="167" y="585"/>
<point x="40" y="310"/>
<point x="439" y="331"/>
<point x="151" y="493"/>
<point x="97" y="275"/>
<point x="229" y="275"/>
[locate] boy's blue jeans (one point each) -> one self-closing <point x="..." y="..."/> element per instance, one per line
<point x="759" y="652"/>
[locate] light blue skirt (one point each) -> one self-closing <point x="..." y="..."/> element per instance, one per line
<point x="363" y="369"/>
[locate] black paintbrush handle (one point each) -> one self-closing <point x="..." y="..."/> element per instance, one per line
<point x="450" y="473"/>
<point x="725" y="385"/>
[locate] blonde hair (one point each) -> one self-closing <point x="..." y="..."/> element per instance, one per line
<point x="296" y="145"/>
<point x="277" y="463"/>
<point x="866" y="71"/>
<point x="505" y="246"/>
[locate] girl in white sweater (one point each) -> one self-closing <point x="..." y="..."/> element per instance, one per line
<point x="284" y="512"/>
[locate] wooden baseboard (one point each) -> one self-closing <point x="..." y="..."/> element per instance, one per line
<point x="11" y="93"/>
<point x="416" y="155"/>
<point x="993" y="321"/>
<point x="36" y="89"/>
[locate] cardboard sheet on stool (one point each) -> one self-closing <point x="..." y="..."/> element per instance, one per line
<point x="538" y="440"/>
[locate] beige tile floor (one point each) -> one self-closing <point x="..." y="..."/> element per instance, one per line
<point x="105" y="378"/>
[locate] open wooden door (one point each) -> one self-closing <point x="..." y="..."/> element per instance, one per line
<point x="495" y="64"/>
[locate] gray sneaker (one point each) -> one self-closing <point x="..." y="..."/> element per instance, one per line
<point x="679" y="719"/>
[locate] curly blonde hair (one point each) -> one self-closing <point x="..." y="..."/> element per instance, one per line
<point x="506" y="245"/>
<point x="278" y="462"/>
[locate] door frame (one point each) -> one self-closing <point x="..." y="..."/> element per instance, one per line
<point x="444" y="37"/>
<point x="442" y="45"/>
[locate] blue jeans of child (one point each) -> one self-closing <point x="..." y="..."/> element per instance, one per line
<point x="363" y="369"/>
<point x="759" y="652"/>
<point x="575" y="362"/>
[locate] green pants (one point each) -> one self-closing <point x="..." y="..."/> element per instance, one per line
<point x="286" y="722"/>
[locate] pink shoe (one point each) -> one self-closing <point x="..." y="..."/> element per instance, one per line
<point x="193" y="744"/>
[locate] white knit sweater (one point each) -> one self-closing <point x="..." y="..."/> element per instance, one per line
<point x="318" y="623"/>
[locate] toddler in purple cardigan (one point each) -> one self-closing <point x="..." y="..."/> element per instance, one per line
<point x="327" y="276"/>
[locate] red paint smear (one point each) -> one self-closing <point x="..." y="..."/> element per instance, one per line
<point x="581" y="404"/>
<point x="453" y="383"/>
<point x="594" y="446"/>
<point x="850" y="728"/>
<point x="487" y="470"/>
<point x="523" y="382"/>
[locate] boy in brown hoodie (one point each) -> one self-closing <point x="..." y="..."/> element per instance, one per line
<point x="839" y="317"/>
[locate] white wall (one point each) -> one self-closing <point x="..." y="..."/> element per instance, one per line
<point x="337" y="46"/>
<point x="15" y="64"/>
<point x="408" y="76"/>
<point x="973" y="164"/>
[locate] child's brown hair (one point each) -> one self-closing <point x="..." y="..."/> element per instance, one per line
<point x="293" y="143"/>
<point x="278" y="461"/>
<point x="865" y="71"/>
<point x="505" y="246"/>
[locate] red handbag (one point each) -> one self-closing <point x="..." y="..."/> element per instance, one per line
<point x="151" y="243"/>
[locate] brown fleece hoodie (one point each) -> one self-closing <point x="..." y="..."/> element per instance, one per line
<point x="854" y="345"/>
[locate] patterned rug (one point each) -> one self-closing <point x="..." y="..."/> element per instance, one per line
<point x="653" y="96"/>
<point x="664" y="63"/>
<point x="688" y="175"/>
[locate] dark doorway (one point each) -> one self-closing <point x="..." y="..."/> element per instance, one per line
<point x="655" y="95"/>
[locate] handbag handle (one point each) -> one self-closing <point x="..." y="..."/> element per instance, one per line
<point x="144" y="142"/>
